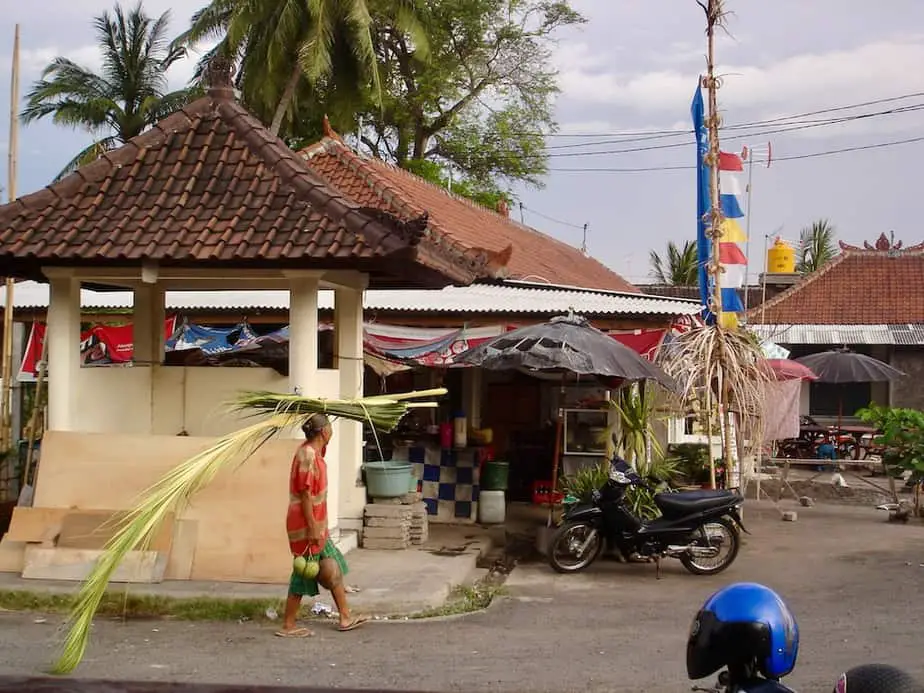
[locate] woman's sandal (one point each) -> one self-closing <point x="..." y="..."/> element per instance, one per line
<point x="297" y="633"/>
<point x="354" y="623"/>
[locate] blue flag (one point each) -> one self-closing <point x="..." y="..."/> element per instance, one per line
<point x="703" y="244"/>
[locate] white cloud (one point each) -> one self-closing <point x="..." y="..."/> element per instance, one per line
<point x="797" y="83"/>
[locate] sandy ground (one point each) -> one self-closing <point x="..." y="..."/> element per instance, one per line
<point x="853" y="581"/>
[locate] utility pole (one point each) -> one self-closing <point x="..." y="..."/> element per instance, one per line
<point x="6" y="431"/>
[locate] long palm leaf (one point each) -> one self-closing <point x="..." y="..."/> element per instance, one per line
<point x="137" y="528"/>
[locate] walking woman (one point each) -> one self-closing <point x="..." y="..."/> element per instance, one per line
<point x="309" y="535"/>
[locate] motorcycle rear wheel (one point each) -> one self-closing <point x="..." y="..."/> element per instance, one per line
<point x="570" y="532"/>
<point x="734" y="537"/>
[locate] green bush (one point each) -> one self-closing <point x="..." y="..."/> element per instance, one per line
<point x="902" y="435"/>
<point x="692" y="461"/>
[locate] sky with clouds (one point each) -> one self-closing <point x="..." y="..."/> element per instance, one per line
<point x="627" y="78"/>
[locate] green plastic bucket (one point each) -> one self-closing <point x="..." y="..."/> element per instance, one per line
<point x="412" y="487"/>
<point x="388" y="479"/>
<point x="494" y="476"/>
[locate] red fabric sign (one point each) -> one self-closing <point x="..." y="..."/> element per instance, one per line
<point x="101" y="345"/>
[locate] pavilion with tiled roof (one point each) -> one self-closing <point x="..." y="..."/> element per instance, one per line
<point x="868" y="298"/>
<point x="527" y="254"/>
<point x="208" y="199"/>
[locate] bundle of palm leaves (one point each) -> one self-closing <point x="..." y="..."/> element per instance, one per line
<point x="137" y="528"/>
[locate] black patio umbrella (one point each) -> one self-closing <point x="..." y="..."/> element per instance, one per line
<point x="842" y="366"/>
<point x="566" y="344"/>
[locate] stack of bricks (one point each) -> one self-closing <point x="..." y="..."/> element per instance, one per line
<point x="395" y="523"/>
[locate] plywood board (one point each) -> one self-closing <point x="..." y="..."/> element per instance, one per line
<point x="183" y="552"/>
<point x="75" y="564"/>
<point x="92" y="529"/>
<point x="240" y="514"/>
<point x="35" y="525"/>
<point x="11" y="555"/>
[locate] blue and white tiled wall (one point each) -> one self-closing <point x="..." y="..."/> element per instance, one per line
<point x="450" y="482"/>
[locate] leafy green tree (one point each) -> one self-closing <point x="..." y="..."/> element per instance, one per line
<point x="816" y="247"/>
<point x="680" y="267"/>
<point x="127" y="96"/>
<point x="479" y="99"/>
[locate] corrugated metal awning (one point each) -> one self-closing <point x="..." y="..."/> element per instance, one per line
<point x="836" y="335"/>
<point x="519" y="298"/>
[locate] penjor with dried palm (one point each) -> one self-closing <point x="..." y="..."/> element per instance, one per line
<point x="273" y="414"/>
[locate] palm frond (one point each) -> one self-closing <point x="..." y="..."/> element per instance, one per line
<point x="136" y="528"/>
<point x="87" y="156"/>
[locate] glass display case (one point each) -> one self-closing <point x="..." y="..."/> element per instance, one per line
<point x="585" y="431"/>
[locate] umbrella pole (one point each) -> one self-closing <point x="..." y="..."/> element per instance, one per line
<point x="557" y="460"/>
<point x="556" y="454"/>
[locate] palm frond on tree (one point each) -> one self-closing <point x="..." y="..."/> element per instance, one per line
<point x="290" y="48"/>
<point x="816" y="247"/>
<point x="88" y="155"/>
<point x="136" y="528"/>
<point x="130" y="92"/>
<point x="680" y="267"/>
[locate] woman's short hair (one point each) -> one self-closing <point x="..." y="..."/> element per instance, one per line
<point x="314" y="424"/>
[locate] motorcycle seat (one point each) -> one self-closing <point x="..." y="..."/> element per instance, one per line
<point x="692" y="501"/>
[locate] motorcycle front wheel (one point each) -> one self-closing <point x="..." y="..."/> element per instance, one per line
<point x="574" y="546"/>
<point x="721" y="534"/>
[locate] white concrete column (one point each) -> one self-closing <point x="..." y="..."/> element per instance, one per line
<point x="63" y="335"/>
<point x="148" y="344"/>
<point x="303" y="333"/>
<point x="348" y="359"/>
<point x="148" y="325"/>
<point x="473" y="382"/>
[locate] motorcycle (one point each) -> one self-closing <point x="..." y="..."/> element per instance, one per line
<point x="695" y="527"/>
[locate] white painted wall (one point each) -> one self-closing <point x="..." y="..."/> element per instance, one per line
<point x="168" y="400"/>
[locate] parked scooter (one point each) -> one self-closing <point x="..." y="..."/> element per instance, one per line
<point x="701" y="528"/>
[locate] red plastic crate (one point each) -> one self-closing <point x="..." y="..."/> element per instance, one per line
<point x="542" y="493"/>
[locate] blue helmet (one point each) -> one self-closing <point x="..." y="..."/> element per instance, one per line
<point x="744" y="625"/>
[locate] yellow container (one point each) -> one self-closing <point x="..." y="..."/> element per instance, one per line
<point x="781" y="258"/>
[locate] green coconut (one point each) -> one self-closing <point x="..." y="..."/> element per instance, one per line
<point x="311" y="570"/>
<point x="299" y="565"/>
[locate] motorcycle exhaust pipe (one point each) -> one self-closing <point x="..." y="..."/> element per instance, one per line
<point x="675" y="551"/>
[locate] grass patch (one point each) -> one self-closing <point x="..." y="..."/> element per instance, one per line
<point x="465" y="599"/>
<point x="140" y="606"/>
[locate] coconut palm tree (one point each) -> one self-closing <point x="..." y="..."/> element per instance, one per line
<point x="288" y="50"/>
<point x="126" y="97"/>
<point x="816" y="247"/>
<point x="679" y="268"/>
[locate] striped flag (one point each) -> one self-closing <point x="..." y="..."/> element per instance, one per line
<point x="731" y="257"/>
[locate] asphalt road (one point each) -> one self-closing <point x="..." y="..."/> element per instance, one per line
<point x="853" y="581"/>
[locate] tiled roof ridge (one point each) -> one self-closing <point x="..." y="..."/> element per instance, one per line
<point x="338" y="148"/>
<point x="805" y="281"/>
<point x="397" y="202"/>
<point x="861" y="254"/>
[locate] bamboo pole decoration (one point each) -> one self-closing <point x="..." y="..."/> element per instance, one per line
<point x="715" y="18"/>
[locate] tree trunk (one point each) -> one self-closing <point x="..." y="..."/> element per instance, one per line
<point x="421" y="137"/>
<point x="287" y="95"/>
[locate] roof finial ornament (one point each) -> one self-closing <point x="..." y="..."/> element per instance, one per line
<point x="328" y="131"/>
<point x="219" y="72"/>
